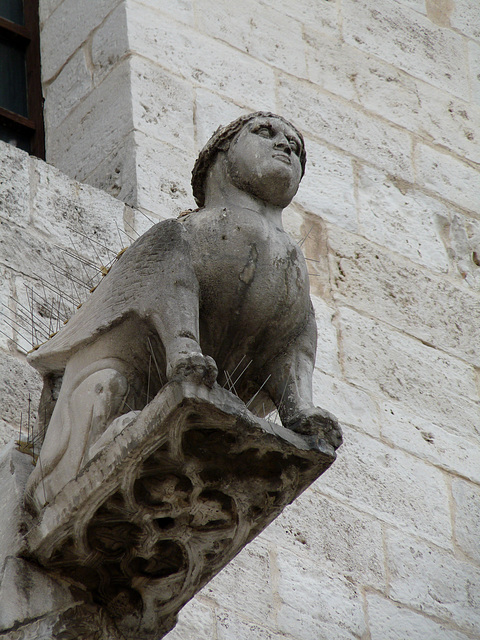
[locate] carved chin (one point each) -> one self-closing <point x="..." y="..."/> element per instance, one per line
<point x="275" y="185"/>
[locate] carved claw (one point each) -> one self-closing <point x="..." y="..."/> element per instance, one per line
<point x="317" y="422"/>
<point x="194" y="367"/>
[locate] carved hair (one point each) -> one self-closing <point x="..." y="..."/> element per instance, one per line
<point x="221" y="140"/>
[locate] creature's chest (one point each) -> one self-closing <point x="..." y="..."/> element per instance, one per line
<point x="252" y="275"/>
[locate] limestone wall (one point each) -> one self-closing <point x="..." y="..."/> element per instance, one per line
<point x="385" y="545"/>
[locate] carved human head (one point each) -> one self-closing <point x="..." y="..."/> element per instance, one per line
<point x="265" y="155"/>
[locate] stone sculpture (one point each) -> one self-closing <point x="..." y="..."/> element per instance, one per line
<point x="221" y="291"/>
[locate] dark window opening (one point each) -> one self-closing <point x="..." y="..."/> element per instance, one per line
<point x="21" y="102"/>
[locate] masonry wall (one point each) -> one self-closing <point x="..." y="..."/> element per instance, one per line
<point x="385" y="545"/>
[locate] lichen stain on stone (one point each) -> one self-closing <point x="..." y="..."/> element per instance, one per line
<point x="439" y="11"/>
<point x="248" y="272"/>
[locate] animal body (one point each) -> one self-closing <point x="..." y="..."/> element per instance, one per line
<point x="219" y="291"/>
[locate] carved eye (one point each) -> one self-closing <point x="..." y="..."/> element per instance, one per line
<point x="264" y="131"/>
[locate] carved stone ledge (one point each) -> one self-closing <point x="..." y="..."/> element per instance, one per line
<point x="169" y="501"/>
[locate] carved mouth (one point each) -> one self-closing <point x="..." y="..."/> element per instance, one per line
<point x="283" y="157"/>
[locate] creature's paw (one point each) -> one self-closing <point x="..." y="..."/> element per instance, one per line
<point x="194" y="367"/>
<point x="317" y="422"/>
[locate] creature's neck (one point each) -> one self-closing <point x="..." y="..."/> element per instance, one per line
<point x="220" y="193"/>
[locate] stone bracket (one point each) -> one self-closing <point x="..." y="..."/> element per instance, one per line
<point x="169" y="501"/>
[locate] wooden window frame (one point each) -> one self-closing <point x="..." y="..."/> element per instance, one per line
<point x="27" y="36"/>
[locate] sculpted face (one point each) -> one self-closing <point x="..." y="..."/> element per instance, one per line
<point x="263" y="159"/>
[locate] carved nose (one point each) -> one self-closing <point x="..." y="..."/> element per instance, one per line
<point x="283" y="144"/>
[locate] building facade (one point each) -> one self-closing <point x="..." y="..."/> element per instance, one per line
<point x="385" y="545"/>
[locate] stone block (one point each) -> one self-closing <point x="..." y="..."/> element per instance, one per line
<point x="15" y="467"/>
<point x="427" y="111"/>
<point x="14" y="184"/>
<point x="462" y="238"/>
<point x="447" y="176"/>
<point x="181" y="10"/>
<point x="69" y="88"/>
<point x="163" y="177"/>
<point x="251" y="566"/>
<point x="327" y="346"/>
<point x="7" y="315"/>
<point x="18" y="382"/>
<point x="325" y="533"/>
<point x="402" y="219"/>
<point x="406" y="296"/>
<point x="205" y="62"/>
<point x="58" y="28"/>
<point x="230" y="626"/>
<point x="409" y="41"/>
<point x="392" y="486"/>
<point x="8" y="432"/>
<point x="322" y="13"/>
<point x="196" y="621"/>
<point x="95" y="128"/>
<point x="46" y="8"/>
<point x="78" y="217"/>
<point x="390" y="620"/>
<point x="465" y="17"/>
<point x="432" y="384"/>
<point x="261" y="31"/>
<point x="474" y="66"/>
<point x="345" y="126"/>
<point x="433" y="581"/>
<point x="424" y="439"/>
<point x="327" y="188"/>
<point x="466" y="499"/>
<point x="162" y="105"/>
<point x="27" y="593"/>
<point x="315" y="603"/>
<point x="212" y="111"/>
<point x="347" y="402"/>
<point x="109" y="43"/>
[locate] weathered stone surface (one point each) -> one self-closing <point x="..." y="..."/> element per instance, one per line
<point x="70" y="87"/>
<point x="57" y="28"/>
<point x="350" y="404"/>
<point x="80" y="218"/>
<point x="474" y="65"/>
<point x="462" y="238"/>
<point x="435" y="385"/>
<point x="466" y="497"/>
<point x="162" y="107"/>
<point x="409" y="41"/>
<point x="464" y="16"/>
<point x="346" y="126"/>
<point x="433" y="581"/>
<point x="231" y="626"/>
<point x="165" y="193"/>
<point x="405" y="296"/>
<point x="253" y="563"/>
<point x="326" y="534"/>
<point x="323" y="14"/>
<point x="14" y="184"/>
<point x="392" y="486"/>
<point x="94" y="129"/>
<point x="15" y="467"/>
<point x="182" y="513"/>
<point x="196" y="621"/>
<point x="447" y="176"/>
<point x="239" y="77"/>
<point x="327" y="351"/>
<point x="424" y="439"/>
<point x="328" y="187"/>
<point x="315" y="603"/>
<point x="110" y="44"/>
<point x="390" y="620"/>
<point x="19" y="382"/>
<point x="427" y="111"/>
<point x="27" y="593"/>
<point x="270" y="35"/>
<point x="182" y="10"/>
<point x="402" y="219"/>
<point x="210" y="110"/>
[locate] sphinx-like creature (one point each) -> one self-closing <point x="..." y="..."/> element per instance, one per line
<point x="222" y="293"/>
